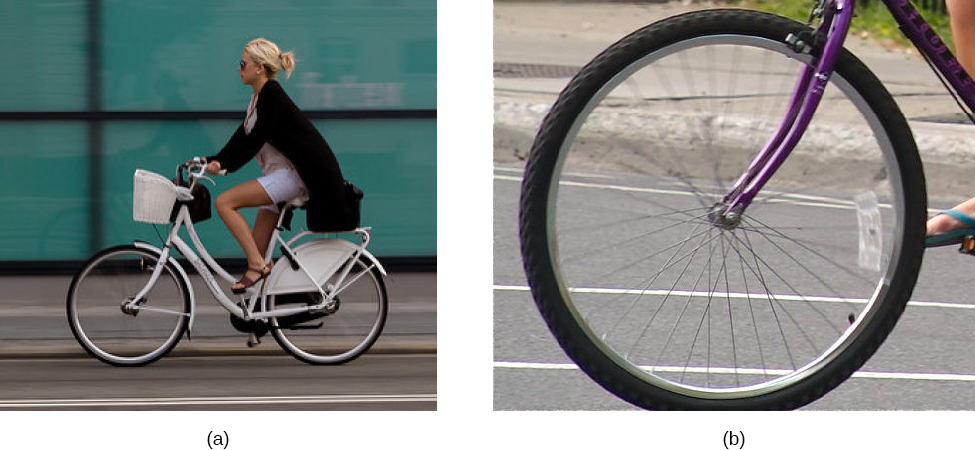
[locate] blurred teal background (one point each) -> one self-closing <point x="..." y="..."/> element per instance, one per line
<point x="92" y="90"/>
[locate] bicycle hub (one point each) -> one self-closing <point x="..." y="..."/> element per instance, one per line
<point x="721" y="217"/>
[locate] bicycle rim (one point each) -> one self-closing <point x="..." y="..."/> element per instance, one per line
<point x="343" y="331"/>
<point x="715" y="313"/>
<point x="113" y="333"/>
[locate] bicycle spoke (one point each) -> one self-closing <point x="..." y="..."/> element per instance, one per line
<point x="612" y="246"/>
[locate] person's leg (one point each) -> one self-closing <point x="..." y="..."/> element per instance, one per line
<point x="249" y="194"/>
<point x="263" y="228"/>
<point x="963" y="30"/>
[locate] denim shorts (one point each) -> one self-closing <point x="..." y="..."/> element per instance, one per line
<point x="282" y="186"/>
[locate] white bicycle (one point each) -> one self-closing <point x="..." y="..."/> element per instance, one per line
<point x="324" y="301"/>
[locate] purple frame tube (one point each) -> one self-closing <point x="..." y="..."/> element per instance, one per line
<point x="802" y="106"/>
<point x="809" y="88"/>
<point x="933" y="48"/>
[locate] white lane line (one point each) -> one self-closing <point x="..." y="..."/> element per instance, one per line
<point x="660" y="293"/>
<point x="607" y="186"/>
<point x="213" y="401"/>
<point x="784" y="197"/>
<point x="735" y="295"/>
<point x="575" y="174"/>
<point x="719" y="370"/>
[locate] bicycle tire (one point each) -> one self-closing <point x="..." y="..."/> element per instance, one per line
<point x="114" y="336"/>
<point x="342" y="333"/>
<point x="583" y="139"/>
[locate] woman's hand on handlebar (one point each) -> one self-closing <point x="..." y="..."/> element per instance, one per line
<point x="213" y="168"/>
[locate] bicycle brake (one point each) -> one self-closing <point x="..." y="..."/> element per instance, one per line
<point x="800" y="43"/>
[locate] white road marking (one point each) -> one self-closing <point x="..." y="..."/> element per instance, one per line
<point x="736" y="295"/>
<point x="575" y="174"/>
<point x="719" y="370"/>
<point x="214" y="401"/>
<point x="785" y="197"/>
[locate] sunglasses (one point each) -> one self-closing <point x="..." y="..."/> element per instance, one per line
<point x="242" y="64"/>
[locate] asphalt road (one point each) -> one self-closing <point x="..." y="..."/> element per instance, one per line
<point x="43" y="368"/>
<point x="210" y="385"/>
<point x="265" y="383"/>
<point x="926" y="363"/>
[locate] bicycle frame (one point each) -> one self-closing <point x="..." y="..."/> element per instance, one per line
<point x="836" y="18"/>
<point x="206" y="266"/>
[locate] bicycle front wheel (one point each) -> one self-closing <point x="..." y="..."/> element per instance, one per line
<point x="342" y="331"/>
<point x="667" y="307"/>
<point x="105" y="321"/>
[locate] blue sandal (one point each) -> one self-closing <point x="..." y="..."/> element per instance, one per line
<point x="954" y="236"/>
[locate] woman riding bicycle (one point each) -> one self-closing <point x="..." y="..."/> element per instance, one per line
<point x="294" y="157"/>
<point x="950" y="226"/>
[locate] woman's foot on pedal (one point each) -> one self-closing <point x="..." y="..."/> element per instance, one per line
<point x="246" y="282"/>
<point x="948" y="227"/>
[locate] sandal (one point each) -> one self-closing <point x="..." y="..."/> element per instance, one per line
<point x="246" y="283"/>
<point x="955" y="236"/>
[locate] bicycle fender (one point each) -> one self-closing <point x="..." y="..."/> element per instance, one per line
<point x="182" y="274"/>
<point x="321" y="258"/>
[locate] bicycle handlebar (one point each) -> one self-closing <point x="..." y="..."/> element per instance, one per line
<point x="196" y="170"/>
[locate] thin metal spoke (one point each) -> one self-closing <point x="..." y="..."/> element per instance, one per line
<point x="670" y="262"/>
<point x="680" y="316"/>
<point x="664" y="301"/>
<point x="731" y="318"/>
<point x="751" y="310"/>
<point x="772" y="301"/>
<point x="814" y="252"/>
<point x="610" y="270"/>
<point x="618" y="223"/>
<point x="771" y="269"/>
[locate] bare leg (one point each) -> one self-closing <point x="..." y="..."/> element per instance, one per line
<point x="249" y="194"/>
<point x="963" y="29"/>
<point x="263" y="228"/>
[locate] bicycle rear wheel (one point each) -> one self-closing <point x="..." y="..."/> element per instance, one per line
<point x="341" y="332"/>
<point x="114" y="333"/>
<point x="667" y="308"/>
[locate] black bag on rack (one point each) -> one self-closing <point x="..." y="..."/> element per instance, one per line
<point x="199" y="206"/>
<point x="331" y="219"/>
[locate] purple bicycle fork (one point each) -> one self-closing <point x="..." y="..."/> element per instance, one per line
<point x="805" y="98"/>
<point x="808" y="91"/>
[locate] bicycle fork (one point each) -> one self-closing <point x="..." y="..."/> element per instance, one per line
<point x="806" y="95"/>
<point x="131" y="306"/>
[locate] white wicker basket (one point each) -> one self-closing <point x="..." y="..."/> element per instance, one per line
<point x="153" y="196"/>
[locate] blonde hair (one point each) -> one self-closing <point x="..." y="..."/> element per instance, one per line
<point x="269" y="56"/>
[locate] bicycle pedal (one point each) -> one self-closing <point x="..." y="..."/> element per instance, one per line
<point x="967" y="245"/>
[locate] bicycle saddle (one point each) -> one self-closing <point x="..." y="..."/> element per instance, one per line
<point x="298" y="202"/>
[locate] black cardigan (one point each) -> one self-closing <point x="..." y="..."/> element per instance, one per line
<point x="281" y="123"/>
